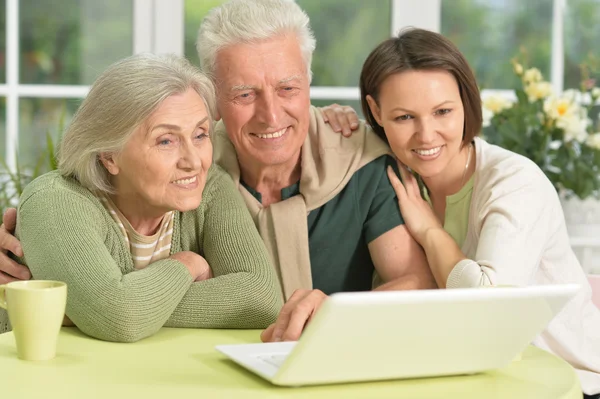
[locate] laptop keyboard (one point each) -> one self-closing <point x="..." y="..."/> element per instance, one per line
<point x="273" y="359"/>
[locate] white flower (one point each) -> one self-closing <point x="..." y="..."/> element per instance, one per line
<point x="487" y="116"/>
<point x="568" y="115"/>
<point x="595" y="92"/>
<point x="538" y="90"/>
<point x="560" y="107"/>
<point x="575" y="128"/>
<point x="572" y="95"/>
<point x="593" y="140"/>
<point x="532" y="75"/>
<point x="496" y="104"/>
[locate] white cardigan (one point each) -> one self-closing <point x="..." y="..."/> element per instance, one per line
<point x="517" y="236"/>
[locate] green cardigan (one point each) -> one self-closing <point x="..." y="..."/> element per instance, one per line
<point x="67" y="235"/>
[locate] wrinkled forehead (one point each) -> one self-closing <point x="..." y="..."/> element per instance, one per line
<point x="266" y="62"/>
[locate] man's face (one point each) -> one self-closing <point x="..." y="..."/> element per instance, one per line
<point x="263" y="99"/>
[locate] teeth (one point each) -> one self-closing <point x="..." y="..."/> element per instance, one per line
<point x="431" y="151"/>
<point x="184" y="182"/>
<point x="271" y="135"/>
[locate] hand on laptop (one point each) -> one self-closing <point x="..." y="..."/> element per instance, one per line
<point x="294" y="316"/>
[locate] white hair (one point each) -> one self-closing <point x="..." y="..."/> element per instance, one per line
<point x="120" y="100"/>
<point x="251" y="21"/>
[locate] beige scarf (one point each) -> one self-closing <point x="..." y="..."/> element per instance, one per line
<point x="328" y="161"/>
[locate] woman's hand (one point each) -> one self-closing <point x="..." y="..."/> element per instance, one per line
<point x="196" y="264"/>
<point x="418" y="215"/>
<point x="342" y="118"/>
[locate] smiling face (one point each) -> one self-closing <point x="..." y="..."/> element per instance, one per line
<point x="423" y="117"/>
<point x="263" y="99"/>
<point x="164" y="164"/>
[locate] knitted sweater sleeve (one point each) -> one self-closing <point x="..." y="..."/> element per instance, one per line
<point x="244" y="292"/>
<point x="64" y="237"/>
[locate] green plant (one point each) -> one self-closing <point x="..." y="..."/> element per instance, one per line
<point x="553" y="130"/>
<point x="14" y="180"/>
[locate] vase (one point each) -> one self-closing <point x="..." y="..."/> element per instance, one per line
<point x="583" y="224"/>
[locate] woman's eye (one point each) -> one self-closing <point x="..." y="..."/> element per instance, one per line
<point x="201" y="136"/>
<point x="444" y="111"/>
<point x="403" y="117"/>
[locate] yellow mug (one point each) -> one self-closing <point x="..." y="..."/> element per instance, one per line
<point x="35" y="309"/>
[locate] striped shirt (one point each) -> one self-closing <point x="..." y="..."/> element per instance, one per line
<point x="144" y="249"/>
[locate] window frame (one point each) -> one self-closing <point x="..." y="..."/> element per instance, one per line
<point x="158" y="27"/>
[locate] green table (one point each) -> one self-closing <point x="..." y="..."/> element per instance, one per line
<point x="182" y="363"/>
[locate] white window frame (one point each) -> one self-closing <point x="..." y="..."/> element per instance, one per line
<point x="150" y="17"/>
<point x="158" y="27"/>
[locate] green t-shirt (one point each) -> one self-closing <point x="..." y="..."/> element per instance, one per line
<point x="340" y="230"/>
<point x="456" y="216"/>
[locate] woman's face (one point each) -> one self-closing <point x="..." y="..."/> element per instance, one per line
<point x="423" y="117"/>
<point x="164" y="164"/>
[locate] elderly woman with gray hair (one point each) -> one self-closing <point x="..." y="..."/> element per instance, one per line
<point x="139" y="223"/>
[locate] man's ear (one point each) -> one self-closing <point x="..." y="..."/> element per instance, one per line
<point x="108" y="160"/>
<point x="374" y="109"/>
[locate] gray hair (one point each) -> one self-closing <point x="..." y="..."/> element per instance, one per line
<point x="119" y="101"/>
<point x="251" y="21"/>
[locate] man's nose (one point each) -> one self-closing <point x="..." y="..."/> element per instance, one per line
<point x="268" y="110"/>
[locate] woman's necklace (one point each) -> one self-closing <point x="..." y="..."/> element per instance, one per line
<point x="462" y="181"/>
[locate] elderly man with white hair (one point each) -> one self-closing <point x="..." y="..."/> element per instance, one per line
<point x="322" y="203"/>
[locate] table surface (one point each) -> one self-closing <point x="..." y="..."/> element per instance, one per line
<point x="180" y="363"/>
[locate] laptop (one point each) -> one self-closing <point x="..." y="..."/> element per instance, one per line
<point x="381" y="335"/>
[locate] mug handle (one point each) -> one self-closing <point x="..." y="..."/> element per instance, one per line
<point x="2" y="297"/>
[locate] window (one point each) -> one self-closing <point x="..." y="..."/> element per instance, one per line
<point x="50" y="51"/>
<point x="53" y="50"/>
<point x="582" y="30"/>
<point x="490" y="33"/>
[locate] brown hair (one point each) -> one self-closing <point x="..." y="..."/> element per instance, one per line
<point x="419" y="49"/>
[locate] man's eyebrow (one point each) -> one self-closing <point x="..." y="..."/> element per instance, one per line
<point x="286" y="80"/>
<point x="242" y="87"/>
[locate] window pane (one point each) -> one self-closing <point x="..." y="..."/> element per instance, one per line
<point x="491" y="32"/>
<point x="195" y="11"/>
<point x="346" y="32"/>
<point x="2" y="41"/>
<point x="37" y="118"/>
<point x="581" y="40"/>
<point x="72" y="41"/>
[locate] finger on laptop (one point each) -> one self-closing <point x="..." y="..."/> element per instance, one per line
<point x="284" y="315"/>
<point x="298" y="320"/>
<point x="302" y="313"/>
<point x="267" y="333"/>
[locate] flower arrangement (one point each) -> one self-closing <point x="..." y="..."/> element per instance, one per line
<point x="554" y="130"/>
